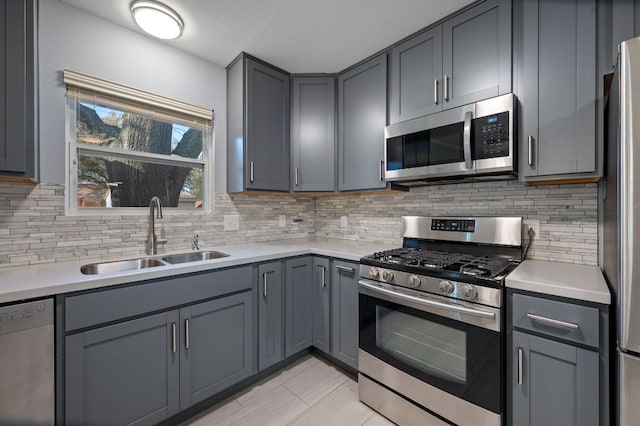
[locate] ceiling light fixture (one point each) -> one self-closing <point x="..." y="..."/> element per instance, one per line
<point x="157" y="19"/>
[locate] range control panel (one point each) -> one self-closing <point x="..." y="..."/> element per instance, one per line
<point x="491" y="136"/>
<point x="450" y="225"/>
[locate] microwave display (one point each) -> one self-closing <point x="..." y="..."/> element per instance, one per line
<point x="491" y="136"/>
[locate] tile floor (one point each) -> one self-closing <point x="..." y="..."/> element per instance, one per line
<point x="308" y="392"/>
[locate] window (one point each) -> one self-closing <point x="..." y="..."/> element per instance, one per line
<point x="127" y="146"/>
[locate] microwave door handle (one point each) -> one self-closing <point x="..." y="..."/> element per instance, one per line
<point x="466" y="140"/>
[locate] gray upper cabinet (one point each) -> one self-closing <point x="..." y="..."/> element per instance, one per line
<point x="416" y="77"/>
<point x="313" y="134"/>
<point x="558" y="90"/>
<point x="625" y="24"/>
<point x="465" y="59"/>
<point x="18" y="129"/>
<point x="344" y="312"/>
<point x="215" y="347"/>
<point x="362" y="111"/>
<point x="123" y="374"/>
<point x="258" y="126"/>
<point x="270" y="315"/>
<point x="555" y="383"/>
<point x="321" y="304"/>
<point x="298" y="305"/>
<point x="477" y="53"/>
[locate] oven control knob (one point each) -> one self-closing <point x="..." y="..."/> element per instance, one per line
<point x="387" y="276"/>
<point x="374" y="273"/>
<point x="446" y="287"/>
<point x="414" y="281"/>
<point x="470" y="292"/>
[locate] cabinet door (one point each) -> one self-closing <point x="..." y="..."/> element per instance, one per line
<point x="477" y="53"/>
<point x="344" y="312"/>
<point x="321" y="304"/>
<point x="270" y="325"/>
<point x="362" y="112"/>
<point x="559" y="88"/>
<point x="216" y="346"/>
<point x="416" y="77"/>
<point x="298" y="305"/>
<point x="267" y="128"/>
<point x="123" y="374"/>
<point x="313" y="138"/>
<point x="17" y="141"/>
<point x="558" y="386"/>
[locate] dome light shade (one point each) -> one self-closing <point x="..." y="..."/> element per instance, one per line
<point x="157" y="19"/>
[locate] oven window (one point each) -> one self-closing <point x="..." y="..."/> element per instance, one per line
<point x="423" y="344"/>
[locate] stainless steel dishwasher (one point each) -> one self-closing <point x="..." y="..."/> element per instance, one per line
<point x="26" y="364"/>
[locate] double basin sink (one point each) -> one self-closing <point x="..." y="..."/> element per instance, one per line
<point x="143" y="263"/>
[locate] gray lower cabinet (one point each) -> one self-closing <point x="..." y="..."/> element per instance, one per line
<point x="344" y="312"/>
<point x="555" y="383"/>
<point x="313" y="134"/>
<point x="558" y="90"/>
<point x="18" y="52"/>
<point x="258" y="126"/>
<point x="215" y="347"/>
<point x="145" y="370"/>
<point x="321" y="311"/>
<point x="362" y="111"/>
<point x="298" y="305"/>
<point x="270" y="315"/>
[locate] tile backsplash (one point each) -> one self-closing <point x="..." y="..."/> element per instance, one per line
<point x="34" y="228"/>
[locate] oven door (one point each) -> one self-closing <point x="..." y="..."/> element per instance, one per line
<point x="453" y="346"/>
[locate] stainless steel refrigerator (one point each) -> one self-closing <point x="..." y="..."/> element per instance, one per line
<point x="621" y="233"/>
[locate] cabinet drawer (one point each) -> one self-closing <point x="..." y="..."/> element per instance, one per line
<point x="563" y="320"/>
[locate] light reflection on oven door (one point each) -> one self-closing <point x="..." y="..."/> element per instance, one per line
<point x="425" y="345"/>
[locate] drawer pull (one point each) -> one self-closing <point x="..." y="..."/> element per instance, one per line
<point x="345" y="269"/>
<point x="551" y="321"/>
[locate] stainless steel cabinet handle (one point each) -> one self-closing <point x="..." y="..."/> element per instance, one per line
<point x="551" y="321"/>
<point x="381" y="169"/>
<point x="345" y="269"/>
<point x="186" y="334"/>
<point x="520" y="353"/>
<point x="251" y="171"/>
<point x="466" y="140"/>
<point x="323" y="276"/>
<point x="446" y="88"/>
<point x="530" y="159"/>
<point x="296" y="176"/>
<point x="174" y="337"/>
<point x="435" y="91"/>
<point x="264" y="284"/>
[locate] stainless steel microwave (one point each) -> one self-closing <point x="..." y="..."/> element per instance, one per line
<point x="475" y="140"/>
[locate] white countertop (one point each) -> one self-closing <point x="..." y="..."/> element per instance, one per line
<point x="581" y="282"/>
<point x="26" y="282"/>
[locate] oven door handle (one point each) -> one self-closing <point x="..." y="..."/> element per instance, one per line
<point x="426" y="302"/>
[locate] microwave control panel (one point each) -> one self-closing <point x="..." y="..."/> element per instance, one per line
<point x="491" y="136"/>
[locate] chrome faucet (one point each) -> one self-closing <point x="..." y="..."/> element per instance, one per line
<point x="196" y="242"/>
<point x="152" y="240"/>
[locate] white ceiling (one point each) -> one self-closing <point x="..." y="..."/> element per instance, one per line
<point x="300" y="36"/>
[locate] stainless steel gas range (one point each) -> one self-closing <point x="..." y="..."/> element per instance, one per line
<point x="431" y="347"/>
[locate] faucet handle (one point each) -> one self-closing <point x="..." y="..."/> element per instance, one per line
<point x="196" y="242"/>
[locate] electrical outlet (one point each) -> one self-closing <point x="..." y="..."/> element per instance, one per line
<point x="282" y="222"/>
<point x="231" y="222"/>
<point x="532" y="223"/>
<point x="343" y="222"/>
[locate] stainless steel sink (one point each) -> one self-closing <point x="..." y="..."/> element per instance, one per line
<point x="119" y="266"/>
<point x="193" y="256"/>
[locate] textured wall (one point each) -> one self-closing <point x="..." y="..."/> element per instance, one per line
<point x="34" y="229"/>
<point x="568" y="214"/>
